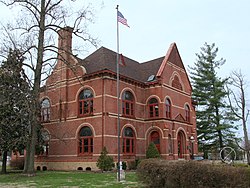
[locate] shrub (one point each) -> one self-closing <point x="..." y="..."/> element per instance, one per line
<point x="17" y="164"/>
<point x="162" y="173"/>
<point x="105" y="162"/>
<point x="132" y="165"/>
<point x="152" y="151"/>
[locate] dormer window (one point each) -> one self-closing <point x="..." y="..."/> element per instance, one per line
<point x="151" y="78"/>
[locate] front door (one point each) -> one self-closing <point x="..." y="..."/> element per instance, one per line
<point x="155" y="138"/>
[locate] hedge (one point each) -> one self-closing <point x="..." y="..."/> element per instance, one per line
<point x="163" y="173"/>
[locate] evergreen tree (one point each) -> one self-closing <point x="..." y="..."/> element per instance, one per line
<point x="215" y="121"/>
<point x="152" y="151"/>
<point x="14" y="105"/>
<point x="105" y="162"/>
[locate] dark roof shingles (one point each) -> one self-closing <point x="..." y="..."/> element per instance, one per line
<point x="104" y="58"/>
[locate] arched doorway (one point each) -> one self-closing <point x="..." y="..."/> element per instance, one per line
<point x="155" y="138"/>
<point x="181" y="144"/>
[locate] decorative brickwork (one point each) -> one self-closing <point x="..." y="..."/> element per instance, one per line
<point x="83" y="108"/>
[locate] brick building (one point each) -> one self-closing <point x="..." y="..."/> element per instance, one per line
<point x="79" y="108"/>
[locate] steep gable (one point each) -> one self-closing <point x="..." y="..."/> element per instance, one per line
<point x="173" y="57"/>
<point x="172" y="65"/>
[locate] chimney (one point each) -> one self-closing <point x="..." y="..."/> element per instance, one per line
<point x="65" y="39"/>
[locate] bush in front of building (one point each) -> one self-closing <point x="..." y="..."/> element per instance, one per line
<point x="152" y="151"/>
<point x="132" y="165"/>
<point x="162" y="173"/>
<point x="17" y="164"/>
<point x="105" y="162"/>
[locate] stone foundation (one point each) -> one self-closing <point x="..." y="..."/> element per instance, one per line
<point x="67" y="166"/>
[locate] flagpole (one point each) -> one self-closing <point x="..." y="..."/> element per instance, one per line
<point x="118" y="101"/>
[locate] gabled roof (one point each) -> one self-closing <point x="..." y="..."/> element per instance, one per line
<point x="172" y="56"/>
<point x="105" y="59"/>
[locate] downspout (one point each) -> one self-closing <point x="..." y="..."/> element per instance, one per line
<point x="103" y="111"/>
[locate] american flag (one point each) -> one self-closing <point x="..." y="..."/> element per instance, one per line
<point x="121" y="19"/>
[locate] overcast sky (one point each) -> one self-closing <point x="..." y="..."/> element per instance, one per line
<point x="154" y="25"/>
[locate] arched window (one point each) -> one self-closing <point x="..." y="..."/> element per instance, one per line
<point x="155" y="138"/>
<point x="168" y="109"/>
<point x="85" y="141"/>
<point x="170" y="144"/>
<point x="128" y="104"/>
<point x="46" y="137"/>
<point x="153" y="108"/>
<point x="128" y="141"/>
<point x="85" y="102"/>
<point x="181" y="144"/>
<point x="45" y="110"/>
<point x="176" y="83"/>
<point x="187" y="113"/>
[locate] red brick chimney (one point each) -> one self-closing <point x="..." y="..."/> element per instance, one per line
<point x="65" y="39"/>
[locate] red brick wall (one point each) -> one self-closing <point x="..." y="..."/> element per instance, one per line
<point x="62" y="88"/>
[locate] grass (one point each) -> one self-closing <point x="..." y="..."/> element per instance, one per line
<point x="68" y="179"/>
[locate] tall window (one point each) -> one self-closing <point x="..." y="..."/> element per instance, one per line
<point x="86" y="102"/>
<point x="46" y="137"/>
<point x="128" y="104"/>
<point x="128" y="141"/>
<point x="170" y="144"/>
<point x="153" y="108"/>
<point x="187" y="113"/>
<point x="45" y="110"/>
<point x="85" y="141"/>
<point x="168" y="109"/>
<point x="155" y="138"/>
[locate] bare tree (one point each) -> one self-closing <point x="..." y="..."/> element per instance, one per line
<point x="38" y="23"/>
<point x="238" y="105"/>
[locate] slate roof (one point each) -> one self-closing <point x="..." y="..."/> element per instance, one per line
<point x="105" y="59"/>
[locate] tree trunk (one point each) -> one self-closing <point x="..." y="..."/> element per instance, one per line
<point x="247" y="146"/>
<point x="219" y="131"/>
<point x="30" y="151"/>
<point x="29" y="167"/>
<point x="27" y="157"/>
<point x="248" y="157"/>
<point x="221" y="143"/>
<point x="4" y="163"/>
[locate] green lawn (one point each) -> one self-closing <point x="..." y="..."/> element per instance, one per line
<point x="68" y="179"/>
